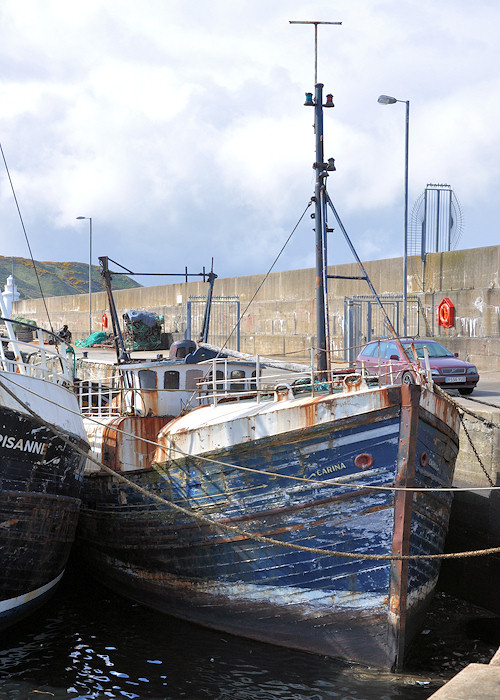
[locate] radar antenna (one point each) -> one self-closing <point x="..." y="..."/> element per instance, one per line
<point x="436" y="226"/>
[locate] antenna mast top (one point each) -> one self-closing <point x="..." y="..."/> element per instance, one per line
<point x="292" y="21"/>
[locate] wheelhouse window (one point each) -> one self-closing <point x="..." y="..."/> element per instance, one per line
<point x="238" y="374"/>
<point x="219" y="383"/>
<point x="192" y="377"/>
<point x="171" y="379"/>
<point x="147" y="379"/>
<point x="253" y="383"/>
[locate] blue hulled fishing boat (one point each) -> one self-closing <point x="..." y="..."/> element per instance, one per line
<point x="273" y="521"/>
<point x="288" y="511"/>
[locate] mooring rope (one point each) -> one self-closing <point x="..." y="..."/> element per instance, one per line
<point x="461" y="411"/>
<point x="337" y="482"/>
<point x="233" y="529"/>
<point x="464" y="409"/>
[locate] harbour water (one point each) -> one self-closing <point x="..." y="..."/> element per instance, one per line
<point x="88" y="643"/>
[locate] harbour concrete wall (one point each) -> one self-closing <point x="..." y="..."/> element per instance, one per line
<point x="280" y="318"/>
<point x="475" y="514"/>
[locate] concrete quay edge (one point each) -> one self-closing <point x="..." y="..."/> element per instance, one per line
<point x="474" y="682"/>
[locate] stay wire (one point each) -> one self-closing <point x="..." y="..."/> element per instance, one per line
<point x="26" y="237"/>
<point x="266" y="276"/>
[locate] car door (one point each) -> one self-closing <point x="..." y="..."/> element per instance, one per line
<point x="367" y="360"/>
<point x="392" y="362"/>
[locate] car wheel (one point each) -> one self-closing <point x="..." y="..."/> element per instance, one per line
<point x="465" y="392"/>
<point x="407" y="378"/>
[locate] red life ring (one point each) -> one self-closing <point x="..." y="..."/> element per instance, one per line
<point x="104" y="320"/>
<point x="446" y="313"/>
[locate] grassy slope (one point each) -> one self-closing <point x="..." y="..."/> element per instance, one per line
<point x="56" y="278"/>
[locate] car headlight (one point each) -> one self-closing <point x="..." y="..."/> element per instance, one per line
<point x="472" y="370"/>
<point x="434" y="371"/>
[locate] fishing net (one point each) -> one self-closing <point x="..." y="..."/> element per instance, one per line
<point x="23" y="332"/>
<point x="93" y="339"/>
<point x="143" y="330"/>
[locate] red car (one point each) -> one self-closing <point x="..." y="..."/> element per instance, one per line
<point x="384" y="358"/>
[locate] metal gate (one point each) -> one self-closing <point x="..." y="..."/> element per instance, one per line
<point x="224" y="328"/>
<point x="364" y="320"/>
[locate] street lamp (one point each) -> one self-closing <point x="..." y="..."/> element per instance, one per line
<point x="90" y="269"/>
<point x="386" y="100"/>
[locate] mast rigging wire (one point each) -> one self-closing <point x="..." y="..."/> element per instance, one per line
<point x="265" y="277"/>
<point x="26" y="237"/>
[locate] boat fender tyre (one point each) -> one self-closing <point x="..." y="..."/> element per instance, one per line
<point x="407" y="378"/>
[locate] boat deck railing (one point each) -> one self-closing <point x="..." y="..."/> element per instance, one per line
<point x="102" y="399"/>
<point x="216" y="387"/>
<point x="118" y="396"/>
<point x="42" y="355"/>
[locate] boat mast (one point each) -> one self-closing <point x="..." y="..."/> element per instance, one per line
<point x="322" y="169"/>
<point x="121" y="352"/>
<point x="208" y="306"/>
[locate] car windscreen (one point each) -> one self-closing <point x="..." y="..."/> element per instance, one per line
<point x="435" y="349"/>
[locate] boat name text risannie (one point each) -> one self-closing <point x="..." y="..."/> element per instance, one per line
<point x="11" y="442"/>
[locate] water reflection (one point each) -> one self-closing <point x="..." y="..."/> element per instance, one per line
<point x="87" y="643"/>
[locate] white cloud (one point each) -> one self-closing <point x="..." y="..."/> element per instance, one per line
<point x="179" y="127"/>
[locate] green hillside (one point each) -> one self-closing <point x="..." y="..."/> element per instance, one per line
<point x="56" y="278"/>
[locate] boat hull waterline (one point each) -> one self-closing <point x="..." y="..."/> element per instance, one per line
<point x="355" y="608"/>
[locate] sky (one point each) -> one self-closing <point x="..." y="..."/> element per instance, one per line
<point x="180" y="127"/>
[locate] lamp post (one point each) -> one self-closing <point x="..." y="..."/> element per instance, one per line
<point x="89" y="218"/>
<point x="386" y="100"/>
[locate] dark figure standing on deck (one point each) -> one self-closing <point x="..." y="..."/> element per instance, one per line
<point x="65" y="334"/>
